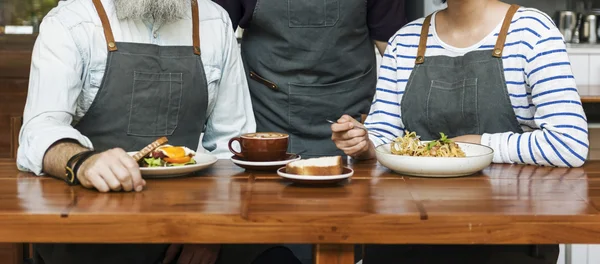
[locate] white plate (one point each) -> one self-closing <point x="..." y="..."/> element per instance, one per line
<point x="477" y="158"/>
<point x="309" y="179"/>
<point x="264" y="165"/>
<point x="203" y="161"/>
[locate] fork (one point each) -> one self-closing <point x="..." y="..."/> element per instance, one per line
<point x="372" y="132"/>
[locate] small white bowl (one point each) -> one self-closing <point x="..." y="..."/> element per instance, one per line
<point x="478" y="157"/>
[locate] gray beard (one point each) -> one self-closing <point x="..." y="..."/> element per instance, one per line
<point x="160" y="10"/>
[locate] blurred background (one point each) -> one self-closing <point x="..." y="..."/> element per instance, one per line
<point x="24" y="13"/>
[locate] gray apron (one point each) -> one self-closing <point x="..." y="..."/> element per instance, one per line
<point x="308" y="61"/>
<point x="460" y="96"/>
<point x="147" y="91"/>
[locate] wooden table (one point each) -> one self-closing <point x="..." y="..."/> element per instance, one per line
<point x="503" y="205"/>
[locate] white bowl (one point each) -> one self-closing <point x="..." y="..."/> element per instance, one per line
<point x="477" y="158"/>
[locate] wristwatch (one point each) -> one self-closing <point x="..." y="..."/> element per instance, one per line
<point x="73" y="166"/>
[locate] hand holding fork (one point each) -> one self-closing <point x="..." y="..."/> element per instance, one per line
<point x="352" y="137"/>
<point x="358" y="125"/>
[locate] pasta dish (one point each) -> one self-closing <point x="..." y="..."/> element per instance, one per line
<point x="411" y="145"/>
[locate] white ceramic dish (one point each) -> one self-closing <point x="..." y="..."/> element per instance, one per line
<point x="203" y="161"/>
<point x="309" y="179"/>
<point x="477" y="158"/>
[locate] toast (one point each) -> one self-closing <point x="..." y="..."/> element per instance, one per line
<point x="325" y="166"/>
<point x="148" y="149"/>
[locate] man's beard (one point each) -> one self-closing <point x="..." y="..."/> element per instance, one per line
<point x="160" y="10"/>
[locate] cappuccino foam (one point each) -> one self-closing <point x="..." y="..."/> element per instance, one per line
<point x="266" y="135"/>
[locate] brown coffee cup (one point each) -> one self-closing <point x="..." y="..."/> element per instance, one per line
<point x="261" y="146"/>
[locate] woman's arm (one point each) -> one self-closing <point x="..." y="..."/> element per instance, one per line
<point x="562" y="137"/>
<point x="384" y="116"/>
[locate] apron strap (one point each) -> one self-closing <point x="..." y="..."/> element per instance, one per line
<point x="195" y="27"/>
<point x="504" y="31"/>
<point x="423" y="41"/>
<point x="498" y="49"/>
<point x="110" y="39"/>
<point x="108" y="34"/>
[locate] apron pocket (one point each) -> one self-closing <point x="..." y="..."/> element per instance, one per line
<point x="452" y="108"/>
<point x="155" y="102"/>
<point x="310" y="105"/>
<point x="313" y="13"/>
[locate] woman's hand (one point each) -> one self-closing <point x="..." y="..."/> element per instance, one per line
<point x="352" y="140"/>
<point x="475" y="139"/>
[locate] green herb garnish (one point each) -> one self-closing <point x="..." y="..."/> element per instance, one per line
<point x="443" y="140"/>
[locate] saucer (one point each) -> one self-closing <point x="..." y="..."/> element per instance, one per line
<point x="309" y="179"/>
<point x="264" y="165"/>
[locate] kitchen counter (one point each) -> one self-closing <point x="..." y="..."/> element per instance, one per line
<point x="589" y="93"/>
<point x="583" y="48"/>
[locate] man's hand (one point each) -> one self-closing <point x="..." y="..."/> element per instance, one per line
<point x="192" y="254"/>
<point x="476" y="139"/>
<point x="353" y="141"/>
<point x="111" y="170"/>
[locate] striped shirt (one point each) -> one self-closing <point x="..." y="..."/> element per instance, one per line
<point x="539" y="80"/>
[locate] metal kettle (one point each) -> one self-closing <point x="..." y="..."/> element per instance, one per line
<point x="567" y="24"/>
<point x="589" y="29"/>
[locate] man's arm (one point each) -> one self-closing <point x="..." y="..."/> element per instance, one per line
<point x="381" y="46"/>
<point x="47" y="139"/>
<point x="232" y="114"/>
<point x="385" y="18"/>
<point x="110" y="170"/>
<point x="54" y="86"/>
<point x="234" y="8"/>
<point x="58" y="155"/>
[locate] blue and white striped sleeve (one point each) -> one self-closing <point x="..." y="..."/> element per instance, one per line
<point x="385" y="116"/>
<point x="562" y="139"/>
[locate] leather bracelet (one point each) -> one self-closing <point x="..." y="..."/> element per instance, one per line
<point x="73" y="165"/>
<point x="80" y="161"/>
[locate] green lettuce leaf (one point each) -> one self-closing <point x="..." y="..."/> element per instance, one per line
<point x="153" y="162"/>
<point x="157" y="162"/>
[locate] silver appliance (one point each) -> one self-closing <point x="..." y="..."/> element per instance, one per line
<point x="589" y="29"/>
<point x="567" y="24"/>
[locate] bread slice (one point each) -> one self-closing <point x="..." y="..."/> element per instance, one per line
<point x="325" y="166"/>
<point x="151" y="147"/>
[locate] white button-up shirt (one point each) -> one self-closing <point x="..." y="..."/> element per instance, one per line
<point x="69" y="60"/>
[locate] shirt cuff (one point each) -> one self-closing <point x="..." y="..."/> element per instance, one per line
<point x="499" y="143"/>
<point x="31" y="154"/>
<point x="221" y="154"/>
